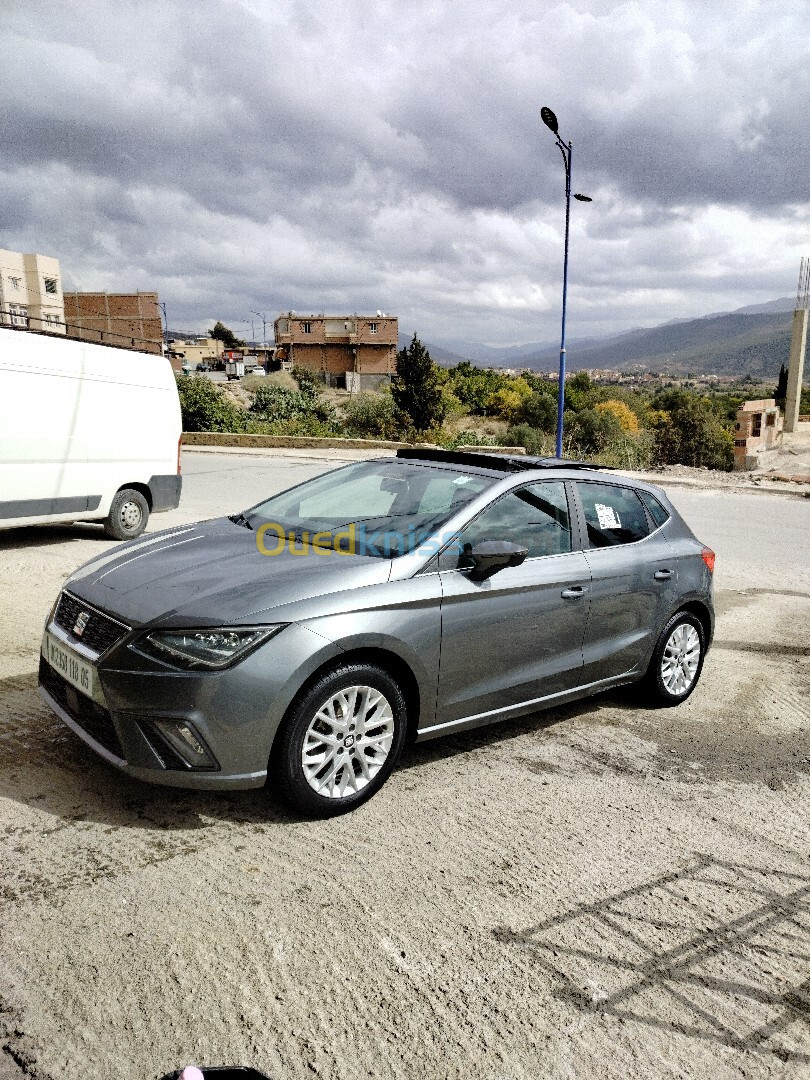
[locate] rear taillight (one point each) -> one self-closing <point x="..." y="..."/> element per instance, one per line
<point x="179" y="448"/>
<point x="708" y="557"/>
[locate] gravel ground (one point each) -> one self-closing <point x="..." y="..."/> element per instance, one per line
<point x="600" y="891"/>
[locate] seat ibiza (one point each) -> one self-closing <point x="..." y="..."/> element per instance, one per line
<point x="301" y="642"/>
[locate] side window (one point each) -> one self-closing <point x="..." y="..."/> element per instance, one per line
<point x="536" y="517"/>
<point x="613" y="515"/>
<point x="657" y="512"/>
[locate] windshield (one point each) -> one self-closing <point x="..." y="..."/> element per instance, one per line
<point x="382" y="508"/>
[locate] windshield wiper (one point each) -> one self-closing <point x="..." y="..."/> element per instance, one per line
<point x="240" y="519"/>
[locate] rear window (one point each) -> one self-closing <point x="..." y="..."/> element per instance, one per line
<point x="657" y="511"/>
<point x="613" y="515"/>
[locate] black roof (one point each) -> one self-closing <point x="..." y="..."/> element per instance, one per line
<point x="496" y="462"/>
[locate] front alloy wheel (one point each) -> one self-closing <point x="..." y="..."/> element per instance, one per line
<point x="341" y="740"/>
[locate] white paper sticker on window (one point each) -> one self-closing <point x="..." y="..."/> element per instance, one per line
<point x="608" y="518"/>
<point x="462" y="480"/>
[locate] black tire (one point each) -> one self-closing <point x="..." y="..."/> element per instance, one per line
<point x="288" y="775"/>
<point x="676" y="664"/>
<point x="129" y="513"/>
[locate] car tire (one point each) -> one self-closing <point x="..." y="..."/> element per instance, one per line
<point x="340" y="741"/>
<point x="677" y="661"/>
<point x="129" y="513"/>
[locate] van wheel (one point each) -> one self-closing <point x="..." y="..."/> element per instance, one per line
<point x="129" y="513"/>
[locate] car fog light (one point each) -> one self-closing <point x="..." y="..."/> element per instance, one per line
<point x="184" y="739"/>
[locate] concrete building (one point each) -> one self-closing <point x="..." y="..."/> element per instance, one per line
<point x="757" y="431"/>
<point x="129" y="320"/>
<point x="199" y="351"/>
<point x="357" y="351"/>
<point x="31" y="292"/>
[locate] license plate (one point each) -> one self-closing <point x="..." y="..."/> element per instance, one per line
<point x="69" y="664"/>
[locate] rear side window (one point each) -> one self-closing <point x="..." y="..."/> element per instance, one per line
<point x="657" y="511"/>
<point x="613" y="515"/>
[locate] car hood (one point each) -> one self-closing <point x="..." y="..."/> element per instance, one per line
<point x="212" y="573"/>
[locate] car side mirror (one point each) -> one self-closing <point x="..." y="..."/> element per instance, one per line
<point x="490" y="556"/>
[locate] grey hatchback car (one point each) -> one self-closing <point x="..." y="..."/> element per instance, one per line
<point x="301" y="642"/>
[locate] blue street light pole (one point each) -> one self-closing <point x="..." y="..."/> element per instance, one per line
<point x="550" y="120"/>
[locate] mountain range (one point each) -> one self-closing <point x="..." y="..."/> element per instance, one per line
<point x="752" y="340"/>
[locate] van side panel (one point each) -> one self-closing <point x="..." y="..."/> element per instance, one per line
<point x="78" y="422"/>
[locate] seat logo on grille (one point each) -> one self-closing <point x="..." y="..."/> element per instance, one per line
<point x="81" y="623"/>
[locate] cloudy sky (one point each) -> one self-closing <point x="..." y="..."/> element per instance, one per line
<point x="343" y="156"/>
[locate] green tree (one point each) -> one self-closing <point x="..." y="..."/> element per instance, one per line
<point x="221" y="333"/>
<point x="688" y="431"/>
<point x="539" y="411"/>
<point x="416" y="389"/>
<point x="780" y="393"/>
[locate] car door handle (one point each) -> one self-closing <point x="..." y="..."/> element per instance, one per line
<point x="662" y="575"/>
<point x="574" y="592"/>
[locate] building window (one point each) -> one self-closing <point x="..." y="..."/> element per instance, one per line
<point x="19" y="315"/>
<point x="306" y="327"/>
<point x="52" y="320"/>
<point x="51" y="285"/>
<point x="757" y="428"/>
<point x="372" y="328"/>
<point x="770" y="419"/>
<point x="15" y="283"/>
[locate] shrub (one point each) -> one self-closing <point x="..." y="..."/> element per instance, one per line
<point x="590" y="430"/>
<point x="205" y="408"/>
<point x="309" y="382"/>
<point x="373" y="416"/>
<point x="535" y="442"/>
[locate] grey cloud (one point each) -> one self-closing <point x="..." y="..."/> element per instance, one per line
<point x="249" y="154"/>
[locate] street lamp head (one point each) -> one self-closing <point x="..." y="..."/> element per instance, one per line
<point x="583" y="198"/>
<point x="548" y="118"/>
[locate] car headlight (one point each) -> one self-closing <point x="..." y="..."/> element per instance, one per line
<point x="203" y="649"/>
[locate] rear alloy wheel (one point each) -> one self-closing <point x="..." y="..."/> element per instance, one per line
<point x="129" y="513"/>
<point x="678" y="660"/>
<point x="341" y="740"/>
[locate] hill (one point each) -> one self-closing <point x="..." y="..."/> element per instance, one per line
<point x="752" y="340"/>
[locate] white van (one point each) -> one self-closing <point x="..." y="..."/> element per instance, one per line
<point x="87" y="433"/>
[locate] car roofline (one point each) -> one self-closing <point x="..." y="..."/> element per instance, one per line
<point x="496" y="463"/>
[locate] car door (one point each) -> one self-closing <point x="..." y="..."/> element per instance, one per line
<point x="517" y="636"/>
<point x="633" y="580"/>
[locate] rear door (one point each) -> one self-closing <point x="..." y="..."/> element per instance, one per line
<point x="634" y="577"/>
<point x="516" y="637"/>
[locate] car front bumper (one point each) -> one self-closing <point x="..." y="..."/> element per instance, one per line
<point x="236" y="711"/>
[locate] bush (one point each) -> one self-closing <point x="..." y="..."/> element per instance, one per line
<point x="373" y="416"/>
<point x="274" y="403"/>
<point x="309" y="382"/>
<point x="205" y="408"/>
<point x="534" y="441"/>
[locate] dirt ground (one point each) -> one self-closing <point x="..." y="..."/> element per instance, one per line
<point x="601" y="891"/>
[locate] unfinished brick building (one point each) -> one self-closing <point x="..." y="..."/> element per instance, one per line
<point x="129" y="320"/>
<point x="358" y="351"/>
<point x="757" y="432"/>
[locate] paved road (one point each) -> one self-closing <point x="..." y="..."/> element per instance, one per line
<point x="602" y="891"/>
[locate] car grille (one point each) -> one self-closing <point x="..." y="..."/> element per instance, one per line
<point x="89" y="715"/>
<point x="100" y="632"/>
